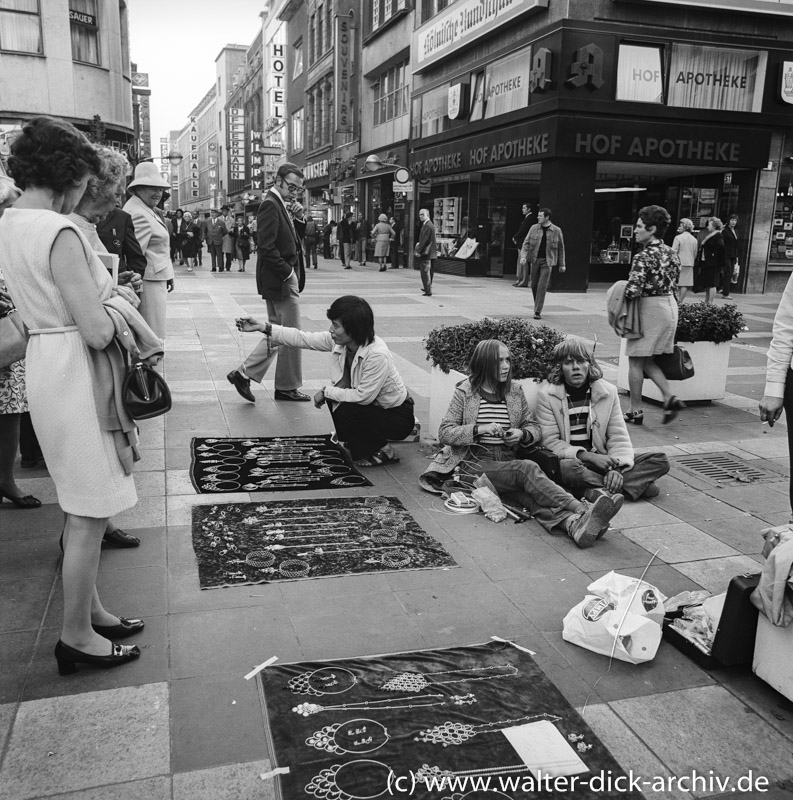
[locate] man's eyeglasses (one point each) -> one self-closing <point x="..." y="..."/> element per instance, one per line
<point x="294" y="188"/>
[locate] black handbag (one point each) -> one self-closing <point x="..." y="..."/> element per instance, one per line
<point x="145" y="394"/>
<point x="546" y="459"/>
<point x="677" y="365"/>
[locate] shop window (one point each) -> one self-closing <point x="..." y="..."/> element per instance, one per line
<point x="20" y="26"/>
<point x="297" y="55"/>
<point x="297" y="130"/>
<point x="390" y="93"/>
<point x="782" y="229"/>
<point x="328" y="25"/>
<point x="312" y="55"/>
<point x="640" y="73"/>
<point x="384" y="10"/>
<point x="320" y="16"/>
<point x="84" y="26"/>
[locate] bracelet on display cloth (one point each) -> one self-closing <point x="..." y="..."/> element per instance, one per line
<point x="294" y="568"/>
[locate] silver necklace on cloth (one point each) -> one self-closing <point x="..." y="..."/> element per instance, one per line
<point x="426" y="771"/>
<point x="342" y="737"/>
<point x="327" y="785"/>
<point x="455" y="733"/>
<point x="415" y="682"/>
<point x="308" y="709"/>
<point x="324" y="680"/>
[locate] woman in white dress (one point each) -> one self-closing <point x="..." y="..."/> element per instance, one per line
<point x="685" y="245"/>
<point x="58" y="284"/>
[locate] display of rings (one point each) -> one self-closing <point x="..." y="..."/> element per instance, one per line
<point x="260" y="558"/>
<point x="395" y="559"/>
<point x="294" y="568"/>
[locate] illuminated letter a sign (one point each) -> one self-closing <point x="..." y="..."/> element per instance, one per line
<point x="587" y="67"/>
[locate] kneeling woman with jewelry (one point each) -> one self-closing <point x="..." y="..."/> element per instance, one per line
<point x="487" y="419"/>
<point x="582" y="424"/>
<point x="367" y="397"/>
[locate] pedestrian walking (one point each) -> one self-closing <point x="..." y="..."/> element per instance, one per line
<point x="215" y="230"/>
<point x="280" y="277"/>
<point x="542" y="250"/>
<point x="202" y="220"/>
<point x="192" y="241"/>
<point x="522" y="278"/>
<point x="362" y="232"/>
<point x="396" y="242"/>
<point x="653" y="278"/>
<point x="310" y="243"/>
<point x="241" y="235"/>
<point x="711" y="261"/>
<point x="330" y="240"/>
<point x="345" y="240"/>
<point x="425" y="252"/>
<point x="227" y="246"/>
<point x="730" y="236"/>
<point x="179" y="234"/>
<point x="685" y="245"/>
<point x="382" y="234"/>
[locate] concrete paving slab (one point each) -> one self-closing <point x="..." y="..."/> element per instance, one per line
<point x="773" y="707"/>
<point x="757" y="498"/>
<point x="693" y="507"/>
<point x="17" y="649"/>
<point x="232" y="782"/>
<point x="180" y="507"/>
<point x="612" y="551"/>
<point x="152" y="460"/>
<point x="641" y="513"/>
<point x="150" y="553"/>
<point x="51" y="752"/>
<point x="27" y="558"/>
<point x="629" y="750"/>
<point x="32" y="523"/>
<point x="215" y="720"/>
<point x="715" y="574"/>
<point x="23" y="602"/>
<point x="742" y="533"/>
<point x="148" y="513"/>
<point x="7" y="713"/>
<point x="545" y="599"/>
<point x="679" y="542"/>
<point x="696" y="728"/>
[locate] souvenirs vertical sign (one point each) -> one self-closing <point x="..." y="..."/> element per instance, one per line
<point x="237" y="157"/>
<point x="343" y="71"/>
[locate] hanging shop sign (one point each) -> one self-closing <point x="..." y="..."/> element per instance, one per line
<point x="458" y="101"/>
<point x="236" y="149"/>
<point x="786" y="82"/>
<point x="463" y="23"/>
<point x="717" y="77"/>
<point x="193" y="159"/>
<point x="640" y="74"/>
<point x="81" y="18"/>
<point x="507" y="84"/>
<point x="343" y="74"/>
<point x="316" y="169"/>
<point x="276" y="89"/>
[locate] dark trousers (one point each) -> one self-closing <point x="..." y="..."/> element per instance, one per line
<point x="427" y="273"/>
<point x="394" y="252"/>
<point x="366" y="429"/>
<point x="229" y="257"/>
<point x="726" y="276"/>
<point x="788" y="406"/>
<point x="29" y="447"/>
<point x="646" y="469"/>
<point x="217" y="255"/>
<point x="310" y="246"/>
<point x="540" y="278"/>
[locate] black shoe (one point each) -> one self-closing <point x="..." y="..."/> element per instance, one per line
<point x="213" y="269"/>
<point x="292" y="394"/>
<point x="120" y="540"/>
<point x="68" y="658"/>
<point x="28" y="501"/>
<point x="31" y="463"/>
<point x="537" y="316"/>
<point x="241" y="384"/>
<point x="126" y="627"/>
<point x="348" y="268"/>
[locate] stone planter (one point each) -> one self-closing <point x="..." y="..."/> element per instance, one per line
<point x="710" y="373"/>
<point x="441" y="391"/>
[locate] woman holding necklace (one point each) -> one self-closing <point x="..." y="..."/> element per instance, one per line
<point x="487" y="419"/>
<point x="582" y="424"/>
<point x="653" y="277"/>
<point x="366" y="396"/>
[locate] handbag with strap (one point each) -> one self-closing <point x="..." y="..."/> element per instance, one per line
<point x="546" y="459"/>
<point x="677" y="365"/>
<point x="13" y="339"/>
<point x="145" y="394"/>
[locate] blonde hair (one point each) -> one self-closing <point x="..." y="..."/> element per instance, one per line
<point x="573" y="347"/>
<point x="686" y="224"/>
<point x="113" y="168"/>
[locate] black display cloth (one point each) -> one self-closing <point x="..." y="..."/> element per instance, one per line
<point x="271" y="464"/>
<point x="343" y="734"/>
<point x="238" y="543"/>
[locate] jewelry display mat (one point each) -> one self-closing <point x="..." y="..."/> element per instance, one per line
<point x="344" y="734"/>
<point x="244" y="543"/>
<point x="271" y="464"/>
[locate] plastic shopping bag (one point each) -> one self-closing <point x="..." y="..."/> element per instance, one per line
<point x="622" y="617"/>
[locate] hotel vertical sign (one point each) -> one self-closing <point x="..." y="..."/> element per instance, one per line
<point x="343" y="72"/>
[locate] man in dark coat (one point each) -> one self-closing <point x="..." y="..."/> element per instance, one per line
<point x="730" y="236"/>
<point x="345" y="240"/>
<point x="117" y="233"/>
<point x="425" y="251"/>
<point x="280" y="277"/>
<point x="215" y="231"/>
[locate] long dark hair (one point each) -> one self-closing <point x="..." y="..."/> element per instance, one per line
<point x="483" y="368"/>
<point x="572" y="347"/>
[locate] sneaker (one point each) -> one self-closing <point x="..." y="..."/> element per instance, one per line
<point x="537" y="315"/>
<point x="590" y="525"/>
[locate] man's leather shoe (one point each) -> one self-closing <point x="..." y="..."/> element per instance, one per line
<point x="118" y="538"/>
<point x="241" y="384"/>
<point x="292" y="394"/>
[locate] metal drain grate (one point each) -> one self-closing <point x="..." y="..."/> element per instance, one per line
<point x="724" y="467"/>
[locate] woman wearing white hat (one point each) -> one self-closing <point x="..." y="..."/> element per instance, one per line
<point x="146" y="189"/>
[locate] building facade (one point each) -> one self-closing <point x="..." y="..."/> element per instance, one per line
<point x="595" y="109"/>
<point x="68" y="60"/>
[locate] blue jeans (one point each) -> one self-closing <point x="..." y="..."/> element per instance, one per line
<point x="647" y="468"/>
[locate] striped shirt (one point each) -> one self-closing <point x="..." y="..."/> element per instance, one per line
<point x="490" y="412"/>
<point x="578" y="410"/>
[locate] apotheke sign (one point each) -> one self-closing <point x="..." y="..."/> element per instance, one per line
<point x="463" y="23"/>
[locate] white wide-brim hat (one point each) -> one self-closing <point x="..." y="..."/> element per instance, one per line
<point x="147" y="174"/>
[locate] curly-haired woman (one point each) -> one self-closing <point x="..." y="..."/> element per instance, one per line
<point x="59" y="285"/>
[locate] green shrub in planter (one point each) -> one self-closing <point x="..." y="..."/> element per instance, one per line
<point x="450" y="347"/>
<point x="707" y="322"/>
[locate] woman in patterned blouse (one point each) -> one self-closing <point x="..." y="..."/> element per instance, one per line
<point x="653" y="278"/>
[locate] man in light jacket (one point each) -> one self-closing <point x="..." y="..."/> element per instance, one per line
<point x="543" y="249"/>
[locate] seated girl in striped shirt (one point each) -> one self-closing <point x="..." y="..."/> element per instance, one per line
<point x="583" y="424"/>
<point x="487" y="418"/>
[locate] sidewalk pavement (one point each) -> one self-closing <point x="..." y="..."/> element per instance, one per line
<point x="181" y="722"/>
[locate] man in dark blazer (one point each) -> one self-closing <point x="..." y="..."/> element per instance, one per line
<point x="117" y="233"/>
<point x="215" y="230"/>
<point x="425" y="251"/>
<point x="280" y="277"/>
<point x="518" y="239"/>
